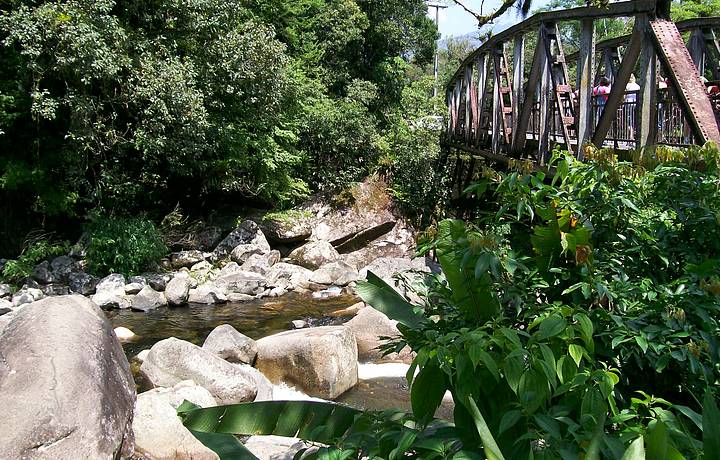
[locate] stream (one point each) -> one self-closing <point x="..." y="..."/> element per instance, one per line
<point x="380" y="386"/>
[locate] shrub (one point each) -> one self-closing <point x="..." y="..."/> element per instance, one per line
<point x="37" y="249"/>
<point x="123" y="245"/>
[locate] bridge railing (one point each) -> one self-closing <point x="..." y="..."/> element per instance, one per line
<point x="500" y="107"/>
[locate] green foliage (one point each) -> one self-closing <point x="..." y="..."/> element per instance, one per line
<point x="123" y="245"/>
<point x="37" y="249"/>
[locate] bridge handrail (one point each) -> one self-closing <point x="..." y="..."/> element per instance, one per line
<point x="619" y="9"/>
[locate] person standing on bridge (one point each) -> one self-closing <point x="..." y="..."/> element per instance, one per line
<point x="600" y="93"/>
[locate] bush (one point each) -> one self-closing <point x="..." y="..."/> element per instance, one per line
<point x="37" y="249"/>
<point x="123" y="245"/>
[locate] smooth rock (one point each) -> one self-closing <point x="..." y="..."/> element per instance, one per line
<point x="5" y="290"/>
<point x="4" y="310"/>
<point x="229" y="268"/>
<point x="171" y="361"/>
<point x="387" y="267"/>
<point x="142" y="356"/>
<point x="242" y="252"/>
<point x="314" y="255"/>
<point x="274" y="447"/>
<point x="338" y="273"/>
<point x="82" y="283"/>
<point x="299" y="324"/>
<point x="65" y="386"/>
<point x="321" y="361"/>
<point x="158" y="281"/>
<point x="186" y="258"/>
<point x="123" y="333"/>
<point x="6" y="304"/>
<point x="289" y="276"/>
<point x="235" y="297"/>
<point x="159" y="433"/>
<point x="294" y="227"/>
<point x="113" y="283"/>
<point x="201" y="267"/>
<point x="208" y="294"/>
<point x="261" y="263"/>
<point x="229" y="344"/>
<point x="26" y="295"/>
<point x="352" y="310"/>
<point x="241" y="283"/>
<point x="329" y="293"/>
<point x="178" y="290"/>
<point x="247" y="233"/>
<point x="133" y="288"/>
<point x="148" y="299"/>
<point x="263" y="385"/>
<point x="108" y="300"/>
<point x="368" y="326"/>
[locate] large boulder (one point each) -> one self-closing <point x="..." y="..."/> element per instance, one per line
<point x="65" y="386"/>
<point x="62" y="267"/>
<point x="274" y="447"/>
<point x="338" y="273"/>
<point x="207" y="294"/>
<point x="5" y="290"/>
<point x="261" y="263"/>
<point x="226" y="342"/>
<point x="321" y="361"/>
<point x="314" y="255"/>
<point x="178" y="290"/>
<point x="247" y="233"/>
<point x="82" y="283"/>
<point x="243" y="252"/>
<point x="114" y="282"/>
<point x="368" y="326"/>
<point x="241" y="282"/>
<point x="186" y="258"/>
<point x="110" y="292"/>
<point x="288" y="275"/>
<point x="387" y="267"/>
<point x="148" y="299"/>
<point x="159" y="433"/>
<point x="26" y="295"/>
<point x="43" y="274"/>
<point x="172" y="360"/>
<point x="287" y="227"/>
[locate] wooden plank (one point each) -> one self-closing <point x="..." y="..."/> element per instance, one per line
<point x="617" y="94"/>
<point x="482" y="93"/>
<point x="545" y="88"/>
<point x="468" y="103"/>
<point x="496" y="112"/>
<point x="518" y="78"/>
<point x="646" y="122"/>
<point x="585" y="66"/>
<point x="539" y="61"/>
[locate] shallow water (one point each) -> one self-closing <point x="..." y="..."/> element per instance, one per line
<point x="255" y="319"/>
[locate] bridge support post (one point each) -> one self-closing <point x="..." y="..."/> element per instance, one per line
<point x="646" y="116"/>
<point x="585" y="68"/>
<point x="518" y="79"/>
<point x="497" y="111"/>
<point x="545" y="109"/>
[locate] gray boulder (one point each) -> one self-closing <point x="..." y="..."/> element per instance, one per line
<point x="207" y="294"/>
<point x="321" y="361"/>
<point x="114" y="282"/>
<point x="292" y="227"/>
<point x="274" y="447"/>
<point x="82" y="283"/>
<point x="159" y="433"/>
<point x="243" y="252"/>
<point x="261" y="263"/>
<point x="177" y="290"/>
<point x="157" y="281"/>
<point x="108" y="300"/>
<point x="368" y="326"/>
<point x="45" y="352"/>
<point x="26" y="295"/>
<point x="54" y="289"/>
<point x="43" y="274"/>
<point x="186" y="258"/>
<point x="148" y="299"/>
<point x="62" y="266"/>
<point x="247" y="233"/>
<point x="338" y="273"/>
<point x="288" y="276"/>
<point x="134" y="288"/>
<point x="241" y="282"/>
<point x="314" y="255"/>
<point x="171" y="361"/>
<point x="5" y="290"/>
<point x="387" y="267"/>
<point x="229" y="344"/>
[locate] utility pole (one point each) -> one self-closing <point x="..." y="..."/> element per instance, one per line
<point x="438" y="6"/>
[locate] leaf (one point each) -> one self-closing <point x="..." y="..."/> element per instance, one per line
<point x="309" y="420"/>
<point x="492" y="451"/>
<point x="576" y="352"/>
<point x="586" y="326"/>
<point x="551" y="326"/>
<point x="509" y="419"/>
<point x="635" y="451"/>
<point x="642" y="342"/>
<point x="696" y="418"/>
<point x="594" y="448"/>
<point x="382" y="297"/>
<point x="711" y="426"/>
<point x="427" y="391"/>
<point x="477" y="354"/>
<point x="656" y="441"/>
<point x="226" y="446"/>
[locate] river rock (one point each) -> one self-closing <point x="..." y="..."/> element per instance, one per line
<point x="113" y="283"/>
<point x="288" y="276"/>
<point x="148" y="299"/>
<point x="352" y="310"/>
<point x="62" y="266"/>
<point x="6" y="304"/>
<point x="274" y="447"/>
<point x="229" y="344"/>
<point x="387" y="267"/>
<point x="208" y="238"/>
<point x="186" y="258"/>
<point x="292" y="227"/>
<point x="133" y="288"/>
<point x="159" y="433"/>
<point x="263" y="385"/>
<point x="235" y="297"/>
<point x="5" y="290"/>
<point x="54" y="289"/>
<point x="368" y="326"/>
<point x="26" y="295"/>
<point x="43" y="274"/>
<point x="171" y="361"/>
<point x="261" y="263"/>
<point x="242" y="252"/>
<point x="108" y="300"/>
<point x="82" y="283"/>
<point x="207" y="294"/>
<point x="241" y="282"/>
<point x="338" y="273"/>
<point x="247" y="233"/>
<point x="65" y="386"/>
<point x="157" y="281"/>
<point x="177" y="290"/>
<point x="314" y="255"/>
<point x="123" y="333"/>
<point x="321" y="361"/>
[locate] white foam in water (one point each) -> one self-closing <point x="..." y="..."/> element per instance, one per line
<point x="369" y="371"/>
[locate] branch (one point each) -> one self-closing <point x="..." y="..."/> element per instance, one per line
<point x="487" y="18"/>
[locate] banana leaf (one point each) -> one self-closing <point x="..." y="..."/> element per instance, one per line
<point x="382" y="297"/>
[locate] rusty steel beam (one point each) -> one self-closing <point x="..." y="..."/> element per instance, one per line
<point x="617" y="94"/>
<point x="691" y="92"/>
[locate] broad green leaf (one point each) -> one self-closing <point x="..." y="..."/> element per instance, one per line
<point x="226" y="446"/>
<point x="382" y="297"/>
<point x="586" y="326"/>
<point x="656" y="441"/>
<point x="477" y="355"/>
<point x="509" y="419"/>
<point x="642" y="342"/>
<point x="576" y="352"/>
<point x="492" y="451"/>
<point x="711" y="426"/>
<point x="696" y="418"/>
<point x="596" y="442"/>
<point x="551" y="326"/>
<point x="427" y="391"/>
<point x="636" y="450"/>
